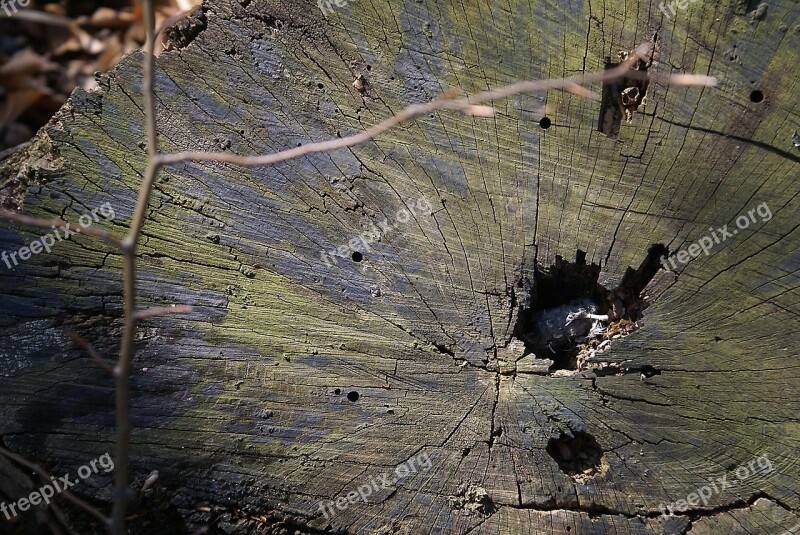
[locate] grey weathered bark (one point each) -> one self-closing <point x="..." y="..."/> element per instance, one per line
<point x="302" y="376"/>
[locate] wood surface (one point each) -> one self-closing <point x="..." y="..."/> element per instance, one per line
<point x="300" y="377"/>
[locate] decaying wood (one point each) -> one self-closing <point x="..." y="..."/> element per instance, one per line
<point x="295" y="381"/>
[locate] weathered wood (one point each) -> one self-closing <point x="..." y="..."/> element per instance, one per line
<point x="300" y="377"/>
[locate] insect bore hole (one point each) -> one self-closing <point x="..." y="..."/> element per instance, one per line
<point x="545" y="122"/>
<point x="357" y="257"/>
<point x="756" y="96"/>
<point x="353" y="396"/>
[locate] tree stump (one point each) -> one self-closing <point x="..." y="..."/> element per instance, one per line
<point x="383" y="339"/>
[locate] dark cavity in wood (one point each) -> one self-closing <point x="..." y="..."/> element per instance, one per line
<point x="578" y="454"/>
<point x="568" y="287"/>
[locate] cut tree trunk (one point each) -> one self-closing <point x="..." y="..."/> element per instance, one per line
<point x="426" y="366"/>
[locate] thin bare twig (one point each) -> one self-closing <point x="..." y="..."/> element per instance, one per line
<point x="467" y="105"/>
<point x="89" y="348"/>
<point x="61" y="224"/>
<point x="46" y="477"/>
<point x="122" y="371"/>
<point x="577" y="89"/>
<point x="162" y="311"/>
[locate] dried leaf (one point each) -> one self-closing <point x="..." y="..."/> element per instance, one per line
<point x="24" y="62"/>
<point x="17" y="102"/>
<point x="55" y="9"/>
<point x="62" y="42"/>
<point x="112" y="53"/>
<point x="106" y="17"/>
<point x="184" y="5"/>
